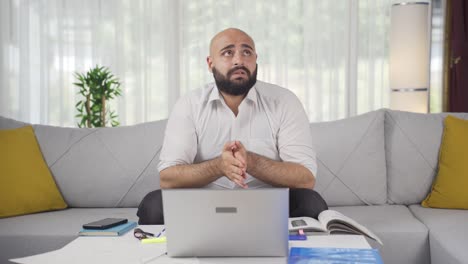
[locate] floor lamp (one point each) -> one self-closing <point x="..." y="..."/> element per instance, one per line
<point x="409" y="57"/>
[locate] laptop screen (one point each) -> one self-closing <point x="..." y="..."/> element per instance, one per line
<point x="250" y="222"/>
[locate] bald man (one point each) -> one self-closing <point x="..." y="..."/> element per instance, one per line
<point x="237" y="133"/>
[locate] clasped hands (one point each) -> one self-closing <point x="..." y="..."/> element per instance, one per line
<point x="234" y="162"/>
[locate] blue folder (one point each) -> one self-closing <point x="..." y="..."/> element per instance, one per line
<point x="333" y="255"/>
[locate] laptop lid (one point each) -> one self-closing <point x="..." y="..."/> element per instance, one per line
<point x="226" y="223"/>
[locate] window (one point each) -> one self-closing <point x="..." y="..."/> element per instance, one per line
<point x="331" y="54"/>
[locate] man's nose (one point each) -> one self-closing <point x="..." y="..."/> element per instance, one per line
<point x="238" y="59"/>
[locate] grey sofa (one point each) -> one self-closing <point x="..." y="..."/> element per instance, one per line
<point x="375" y="168"/>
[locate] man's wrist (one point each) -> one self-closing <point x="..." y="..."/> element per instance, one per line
<point x="217" y="165"/>
<point x="251" y="161"/>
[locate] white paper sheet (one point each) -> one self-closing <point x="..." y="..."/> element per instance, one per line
<point x="124" y="249"/>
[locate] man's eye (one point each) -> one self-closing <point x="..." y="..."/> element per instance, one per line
<point x="247" y="52"/>
<point x="227" y="53"/>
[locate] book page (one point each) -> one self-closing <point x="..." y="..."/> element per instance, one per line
<point x="337" y="223"/>
<point x="308" y="224"/>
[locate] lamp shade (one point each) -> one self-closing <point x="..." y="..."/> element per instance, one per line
<point x="409" y="56"/>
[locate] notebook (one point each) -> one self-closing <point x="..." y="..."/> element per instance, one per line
<point x="226" y="223"/>
<point x="113" y="231"/>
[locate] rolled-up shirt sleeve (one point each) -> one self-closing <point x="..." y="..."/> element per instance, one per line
<point x="180" y="139"/>
<point x="294" y="137"/>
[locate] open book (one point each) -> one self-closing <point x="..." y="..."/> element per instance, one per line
<point x="332" y="222"/>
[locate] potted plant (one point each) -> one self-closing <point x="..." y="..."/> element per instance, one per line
<point x="97" y="86"/>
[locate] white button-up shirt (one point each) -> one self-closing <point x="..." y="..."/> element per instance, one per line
<point x="271" y="122"/>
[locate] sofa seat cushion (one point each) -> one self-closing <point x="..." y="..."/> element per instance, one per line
<point x="38" y="233"/>
<point x="448" y="233"/>
<point x="405" y="238"/>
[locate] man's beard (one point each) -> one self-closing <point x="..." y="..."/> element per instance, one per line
<point x="242" y="87"/>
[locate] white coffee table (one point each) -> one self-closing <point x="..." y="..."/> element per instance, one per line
<point x="127" y="249"/>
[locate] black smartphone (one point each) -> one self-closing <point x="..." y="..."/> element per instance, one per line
<point x="105" y="223"/>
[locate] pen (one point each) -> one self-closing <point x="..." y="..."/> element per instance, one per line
<point x="157" y="239"/>
<point x="160" y="233"/>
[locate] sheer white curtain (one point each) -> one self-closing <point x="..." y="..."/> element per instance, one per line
<point x="332" y="54"/>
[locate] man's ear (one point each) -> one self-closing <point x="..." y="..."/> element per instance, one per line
<point x="209" y="62"/>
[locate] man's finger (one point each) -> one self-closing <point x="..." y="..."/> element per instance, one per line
<point x="237" y="171"/>
<point x="228" y="146"/>
<point x="239" y="144"/>
<point x="233" y="146"/>
<point x="241" y="184"/>
<point x="244" y="175"/>
<point x="240" y="158"/>
<point x="236" y="162"/>
<point x="237" y="175"/>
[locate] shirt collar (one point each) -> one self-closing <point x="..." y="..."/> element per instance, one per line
<point x="252" y="95"/>
<point x="215" y="95"/>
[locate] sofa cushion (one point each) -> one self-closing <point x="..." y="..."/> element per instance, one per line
<point x="412" y="142"/>
<point x="103" y="167"/>
<point x="26" y="185"/>
<point x="448" y="234"/>
<point x="405" y="238"/>
<point x="351" y="152"/>
<point x="38" y="233"/>
<point x="449" y="188"/>
<point x="8" y="123"/>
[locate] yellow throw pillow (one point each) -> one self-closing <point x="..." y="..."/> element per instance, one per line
<point x="26" y="185"/>
<point x="450" y="188"/>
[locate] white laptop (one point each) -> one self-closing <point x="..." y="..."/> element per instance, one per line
<point x="226" y="223"/>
